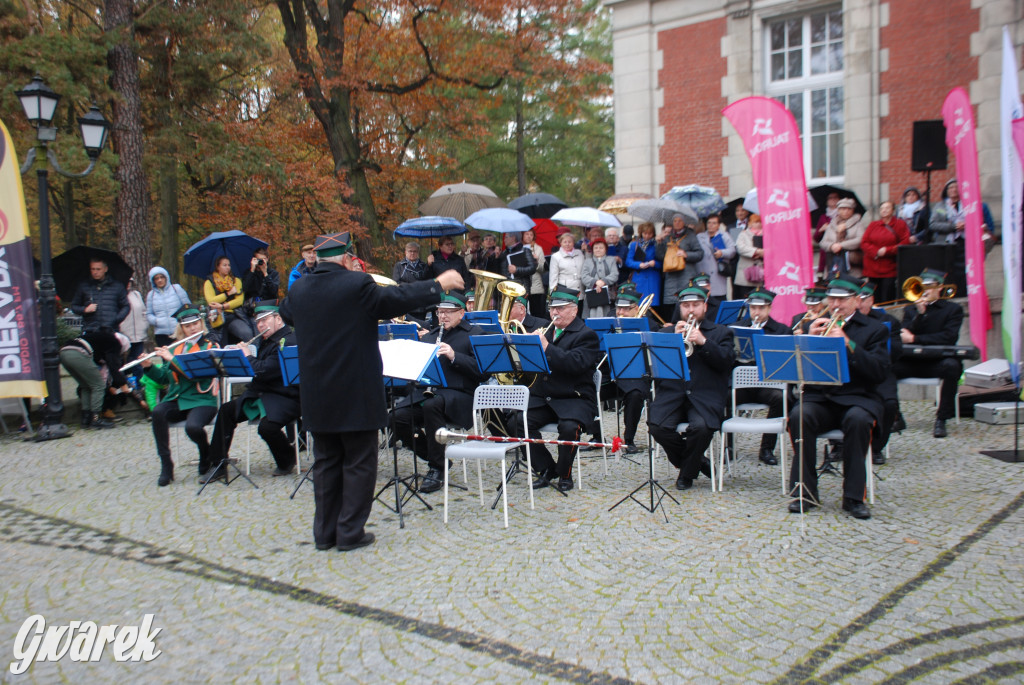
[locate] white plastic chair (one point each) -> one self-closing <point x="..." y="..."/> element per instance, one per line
<point x="937" y="382"/>
<point x="252" y="423"/>
<point x="514" y="397"/>
<point x="747" y="377"/>
<point x="599" y="417"/>
<point x="838" y="435"/>
<point x="681" y="428"/>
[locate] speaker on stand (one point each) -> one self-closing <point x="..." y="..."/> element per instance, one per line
<point x="928" y="151"/>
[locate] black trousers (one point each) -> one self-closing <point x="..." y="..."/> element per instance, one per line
<point x="271" y="431"/>
<point x="821" y="416"/>
<point x="769" y="396"/>
<point x="880" y="438"/>
<point x="344" y="476"/>
<point x="948" y="369"/>
<point x="632" y="407"/>
<point x="685" y="451"/>
<point x="415" y="427"/>
<point x="568" y="429"/>
<point x="195" y="419"/>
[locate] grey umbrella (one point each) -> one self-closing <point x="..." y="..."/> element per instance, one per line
<point x="662" y="210"/>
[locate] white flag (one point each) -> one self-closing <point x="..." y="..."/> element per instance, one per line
<point x="1013" y="187"/>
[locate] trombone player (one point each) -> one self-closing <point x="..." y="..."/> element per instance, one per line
<point x="814" y="300"/>
<point x="933" y="320"/>
<point x="855" y="407"/>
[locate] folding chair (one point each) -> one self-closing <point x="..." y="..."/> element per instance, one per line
<point x="937" y="382"/>
<point x="837" y="434"/>
<point x="747" y="377"/>
<point x="514" y="397"/>
<point x="251" y="423"/>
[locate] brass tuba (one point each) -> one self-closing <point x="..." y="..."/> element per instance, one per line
<point x="485" y="285"/>
<point x="509" y="290"/>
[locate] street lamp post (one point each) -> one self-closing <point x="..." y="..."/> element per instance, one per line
<point x="40" y="103"/>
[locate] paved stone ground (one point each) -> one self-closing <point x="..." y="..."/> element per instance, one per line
<point x="730" y="588"/>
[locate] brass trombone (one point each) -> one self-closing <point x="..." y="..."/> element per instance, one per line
<point x="913" y="290"/>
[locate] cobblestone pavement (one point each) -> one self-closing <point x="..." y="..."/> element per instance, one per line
<point x="731" y="588"/>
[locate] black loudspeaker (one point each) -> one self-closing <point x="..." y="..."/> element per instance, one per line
<point x="929" y="149"/>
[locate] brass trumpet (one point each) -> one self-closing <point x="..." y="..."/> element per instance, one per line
<point x="690" y="325"/>
<point x="832" y="323"/>
<point x="799" y="324"/>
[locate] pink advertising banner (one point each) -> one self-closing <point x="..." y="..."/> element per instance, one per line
<point x="772" y="142"/>
<point x="959" y="120"/>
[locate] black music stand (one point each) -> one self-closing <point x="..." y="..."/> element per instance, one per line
<point x="416" y="362"/>
<point x="515" y="355"/>
<point x="801" y="359"/>
<point x="217" y="363"/>
<point x="609" y="325"/>
<point x="648" y="356"/>
<point x="288" y="357"/>
<point x="729" y="311"/>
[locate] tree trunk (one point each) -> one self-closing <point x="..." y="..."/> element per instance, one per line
<point x="520" y="140"/>
<point x="70" y="237"/>
<point x="169" y="216"/>
<point x="131" y="209"/>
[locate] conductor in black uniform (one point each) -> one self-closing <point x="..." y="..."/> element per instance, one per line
<point x="888" y="389"/>
<point x="759" y="306"/>
<point x="853" y="407"/>
<point x="426" y="411"/>
<point x="933" y="321"/>
<point x="335" y="312"/>
<point x="566" y="396"/>
<point x="702" y="400"/>
<point x="634" y="390"/>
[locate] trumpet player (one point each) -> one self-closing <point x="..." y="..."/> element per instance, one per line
<point x="854" y="407"/>
<point x="814" y="301"/>
<point x="701" y="401"/>
<point x="888" y="389"/>
<point x="634" y="390"/>
<point x="932" y="320"/>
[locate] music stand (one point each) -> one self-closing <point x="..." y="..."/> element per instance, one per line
<point x="729" y="311"/>
<point x="648" y="356"/>
<point x="801" y="359"/>
<point x="484" y="317"/>
<point x="221" y="364"/>
<point x="396" y="331"/>
<point x="608" y="325"/>
<point x="288" y="357"/>
<point x="416" y="362"/>
<point x="744" y="336"/>
<point x="515" y="355"/>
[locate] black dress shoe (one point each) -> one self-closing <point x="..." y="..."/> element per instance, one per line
<point x="278" y="472"/>
<point x="683" y="483"/>
<point x="631" y="448"/>
<point x="324" y="546"/>
<point x="857" y="509"/>
<point x="878" y="457"/>
<point x="799" y="506"/>
<point x="542" y="479"/>
<point x="899" y="425"/>
<point x="166" y="476"/>
<point x="768" y="457"/>
<point x="564" y="484"/>
<point x="367" y="539"/>
<point x="939" y="431"/>
<point x="705" y="466"/>
<point x="432" y="481"/>
<point x="213" y="474"/>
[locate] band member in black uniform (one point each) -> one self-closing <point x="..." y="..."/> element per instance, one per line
<point x="702" y="400"/>
<point x="814" y="300"/>
<point x="529" y="321"/>
<point x="888" y="389"/>
<point x="759" y="308"/>
<point x="933" y="321"/>
<point x="634" y="390"/>
<point x="429" y="409"/>
<point x="335" y="311"/>
<point x="567" y="395"/>
<point x="267" y="398"/>
<point x="853" y="407"/>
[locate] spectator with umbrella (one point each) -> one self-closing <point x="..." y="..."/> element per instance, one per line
<point x="224" y="296"/>
<point x="164" y="298"/>
<point x="536" y="294"/>
<point x="600" y="276"/>
<point x="444" y="259"/>
<point x="411" y="269"/>
<point x="642" y="258"/>
<point x="566" y="264"/>
<point x="841" y="242"/>
<point x="100" y="300"/>
<point x="680" y="238"/>
<point x="516" y="261"/>
<point x="717" y="262"/>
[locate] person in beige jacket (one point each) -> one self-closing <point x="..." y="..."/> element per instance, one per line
<point x="841" y="242"/>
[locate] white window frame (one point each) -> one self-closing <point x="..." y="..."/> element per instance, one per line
<point x="805" y="85"/>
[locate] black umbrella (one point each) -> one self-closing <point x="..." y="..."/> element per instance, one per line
<point x="820" y="195"/>
<point x="537" y="205"/>
<point x="728" y="215"/>
<point x="72" y="268"/>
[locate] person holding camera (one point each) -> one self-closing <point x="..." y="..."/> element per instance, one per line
<point x="261" y="281"/>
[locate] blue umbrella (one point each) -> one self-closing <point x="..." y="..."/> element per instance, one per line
<point x="499" y="220"/>
<point x="430" y="227"/>
<point x="201" y="258"/>
<point x="703" y="200"/>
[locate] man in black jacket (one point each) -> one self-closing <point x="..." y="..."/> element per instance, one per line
<point x="888" y="389"/>
<point x="267" y="398"/>
<point x="101" y="301"/>
<point x="567" y="395"/>
<point x="261" y="281"/>
<point x="702" y="400"/>
<point x="933" y="321"/>
<point x="530" y="322"/>
<point x="417" y="421"/>
<point x="854" y="407"/>
<point x="814" y="301"/>
<point x="759" y="306"/>
<point x="516" y="261"/>
<point x="634" y="390"/>
<point x="335" y="312"/>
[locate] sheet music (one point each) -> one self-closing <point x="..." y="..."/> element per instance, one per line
<point x="406" y="359"/>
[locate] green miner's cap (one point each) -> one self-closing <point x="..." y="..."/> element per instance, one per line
<point x="692" y="294"/>
<point x="760" y="296"/>
<point x="470" y="296"/>
<point x="188" y="313"/>
<point x="867" y="290"/>
<point x="561" y="296"/>
<point x="265" y="308"/>
<point x="814" y="295"/>
<point x="932" y="277"/>
<point x="333" y="245"/>
<point x="452" y="299"/>
<point x="701" y="280"/>
<point x="840" y="287"/>
<point x="627" y="296"/>
<point x="522" y="300"/>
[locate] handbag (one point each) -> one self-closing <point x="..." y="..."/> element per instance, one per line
<point x="598" y="299"/>
<point x="726" y="268"/>
<point x="673" y="260"/>
<point x="754" y="273"/>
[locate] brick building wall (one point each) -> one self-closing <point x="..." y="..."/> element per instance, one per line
<point x="929" y="48"/>
<point x="691" y="115"/>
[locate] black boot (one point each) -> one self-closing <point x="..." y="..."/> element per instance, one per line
<point x="166" y="471"/>
<point x="97" y="422"/>
<point x="86" y="418"/>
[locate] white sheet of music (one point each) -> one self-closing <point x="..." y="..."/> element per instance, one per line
<point x="406" y="359"/>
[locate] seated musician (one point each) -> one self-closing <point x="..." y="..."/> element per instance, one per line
<point x="888" y="389"/>
<point x="814" y="300"/>
<point x="194" y="402"/>
<point x="933" y="321"/>
<point x="566" y="396"/>
<point x="427" y="410"/>
<point x="470" y="301"/>
<point x="634" y="390"/>
<point x="703" y="281"/>
<point x="702" y="400"/>
<point x="267" y="398"/>
<point x="853" y="407"/>
<point x="759" y="306"/>
<point x="529" y="321"/>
